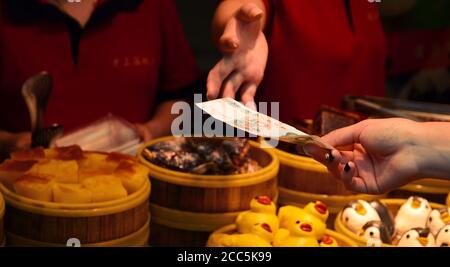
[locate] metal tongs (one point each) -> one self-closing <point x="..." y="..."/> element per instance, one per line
<point x="36" y="92"/>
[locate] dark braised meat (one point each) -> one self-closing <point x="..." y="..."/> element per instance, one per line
<point x="179" y="160"/>
<point x="203" y="156"/>
<point x="172" y="145"/>
<point x="237" y="148"/>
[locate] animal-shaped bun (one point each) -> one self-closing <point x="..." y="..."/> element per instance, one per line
<point x="417" y="237"/>
<point x="357" y="213"/>
<point x="263" y="204"/>
<point x="318" y="209"/>
<point x="443" y="237"/>
<point x="260" y="220"/>
<point x="376" y="233"/>
<point x="299" y="234"/>
<point x="412" y="214"/>
<point x="289" y="215"/>
<point x="437" y="219"/>
<point x="261" y="226"/>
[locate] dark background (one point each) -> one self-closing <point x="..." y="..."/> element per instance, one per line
<point x="196" y="16"/>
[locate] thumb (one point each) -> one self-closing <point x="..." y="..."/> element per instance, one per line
<point x="249" y="12"/>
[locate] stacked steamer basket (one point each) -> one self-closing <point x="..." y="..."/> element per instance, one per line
<point x="2" y="213"/>
<point x="432" y="189"/>
<point x="302" y="180"/>
<point x="106" y="208"/>
<point x="187" y="207"/>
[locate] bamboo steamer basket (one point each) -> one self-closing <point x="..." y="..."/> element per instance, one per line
<point x="136" y="239"/>
<point x="392" y="204"/>
<point x="186" y="208"/>
<point x="304" y="174"/>
<point x="121" y="222"/>
<point x="302" y="180"/>
<point x="342" y="240"/>
<point x="432" y="189"/>
<point x="2" y="214"/>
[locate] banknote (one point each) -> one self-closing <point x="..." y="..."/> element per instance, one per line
<point x="239" y="116"/>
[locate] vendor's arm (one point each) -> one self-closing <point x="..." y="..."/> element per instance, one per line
<point x="160" y="124"/>
<point x="435" y="144"/>
<point x="237" y="29"/>
<point x="179" y="76"/>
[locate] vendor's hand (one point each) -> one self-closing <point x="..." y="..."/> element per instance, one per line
<point x="374" y="156"/>
<point x="245" y="56"/>
<point x="22" y="141"/>
<point x="10" y="142"/>
<point x="145" y="131"/>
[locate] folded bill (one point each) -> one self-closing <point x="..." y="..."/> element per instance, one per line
<point x="239" y="116"/>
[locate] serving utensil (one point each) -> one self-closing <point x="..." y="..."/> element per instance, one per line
<point x="36" y="92"/>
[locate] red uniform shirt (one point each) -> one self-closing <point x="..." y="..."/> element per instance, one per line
<point x="321" y="50"/>
<point x="128" y="54"/>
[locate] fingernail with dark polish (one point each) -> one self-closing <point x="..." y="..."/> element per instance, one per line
<point x="347" y="167"/>
<point x="329" y="157"/>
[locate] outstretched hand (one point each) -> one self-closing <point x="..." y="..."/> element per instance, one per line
<point x="245" y="52"/>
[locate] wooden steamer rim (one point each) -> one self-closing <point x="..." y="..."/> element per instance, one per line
<point x="341" y="228"/>
<point x="211" y="181"/>
<point x="338" y="236"/>
<point x="77" y="210"/>
<point x="192" y="221"/>
<point x="138" y="238"/>
<point x="428" y="186"/>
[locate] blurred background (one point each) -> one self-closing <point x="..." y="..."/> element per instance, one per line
<point x="417" y="31"/>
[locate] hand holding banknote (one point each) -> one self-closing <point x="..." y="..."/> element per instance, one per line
<point x="375" y="156"/>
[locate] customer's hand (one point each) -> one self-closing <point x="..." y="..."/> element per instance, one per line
<point x="245" y="52"/>
<point x="375" y="156"/>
